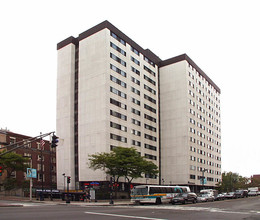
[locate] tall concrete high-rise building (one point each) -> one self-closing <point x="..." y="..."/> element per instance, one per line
<point x="112" y="92"/>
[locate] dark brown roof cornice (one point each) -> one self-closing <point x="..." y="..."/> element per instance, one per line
<point x="146" y="52"/>
<point x="106" y="24"/>
<point x="190" y="61"/>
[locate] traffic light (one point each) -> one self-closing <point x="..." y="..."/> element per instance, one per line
<point x="54" y="141"/>
<point x="68" y="179"/>
<point x="1" y="170"/>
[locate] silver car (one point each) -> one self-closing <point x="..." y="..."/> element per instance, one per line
<point x="205" y="198"/>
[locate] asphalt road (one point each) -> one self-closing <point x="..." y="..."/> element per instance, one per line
<point x="246" y="209"/>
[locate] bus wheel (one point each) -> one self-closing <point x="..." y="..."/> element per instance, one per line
<point x="158" y="201"/>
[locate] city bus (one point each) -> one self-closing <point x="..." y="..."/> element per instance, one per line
<point x="156" y="194"/>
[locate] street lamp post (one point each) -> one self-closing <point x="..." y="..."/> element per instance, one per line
<point x="64" y="175"/>
<point x="203" y="176"/>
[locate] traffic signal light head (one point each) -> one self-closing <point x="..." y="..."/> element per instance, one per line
<point x="68" y="179"/>
<point x="1" y="170"/>
<point x="54" y="141"/>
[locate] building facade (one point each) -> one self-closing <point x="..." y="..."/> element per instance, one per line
<point x="190" y="124"/>
<point x="41" y="157"/>
<point x="112" y="92"/>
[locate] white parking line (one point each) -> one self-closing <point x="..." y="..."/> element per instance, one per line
<point x="122" y="216"/>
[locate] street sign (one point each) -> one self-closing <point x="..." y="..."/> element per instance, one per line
<point x="31" y="173"/>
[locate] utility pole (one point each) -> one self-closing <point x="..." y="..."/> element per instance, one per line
<point x="42" y="196"/>
<point x="31" y="182"/>
<point x="51" y="167"/>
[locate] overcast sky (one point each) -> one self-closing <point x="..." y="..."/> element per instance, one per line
<point x="222" y="37"/>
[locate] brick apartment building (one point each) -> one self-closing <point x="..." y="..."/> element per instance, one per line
<point x="46" y="168"/>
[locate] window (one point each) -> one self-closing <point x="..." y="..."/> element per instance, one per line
<point x="135" y="61"/>
<point x="192" y="167"/>
<point x="151" y="157"/>
<point x="135" y="101"/>
<point x="135" y="51"/>
<point x="135" y="80"/>
<point x="136" y="122"/>
<point x="121" y="72"/>
<point x="150" y="137"/>
<point x="193" y="177"/>
<point x="117" y="103"/>
<point x="118" y="126"/>
<point x="135" y="132"/>
<point x="40" y="157"/>
<point x="149" y="89"/>
<point x="150" y="108"/>
<point x="135" y="71"/>
<point x="150" y="118"/>
<point x="117" y="38"/>
<point x="39" y="167"/>
<point x="136" y="143"/>
<point x="118" y="115"/>
<point x="149" y="61"/>
<point x="149" y="70"/>
<point x="150" y="147"/>
<point x="114" y="57"/>
<point x="117" y="92"/>
<point x="27" y="144"/>
<point x="149" y="99"/>
<point x="117" y="48"/>
<point x="12" y="140"/>
<point x="149" y="80"/>
<point x="119" y="82"/>
<point x="136" y="111"/>
<point x="149" y="127"/>
<point x="118" y="138"/>
<point x="134" y="90"/>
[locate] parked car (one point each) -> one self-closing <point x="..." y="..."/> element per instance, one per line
<point x="184" y="198"/>
<point x="241" y="193"/>
<point x="230" y="195"/>
<point x="220" y="197"/>
<point x="205" y="198"/>
<point x="253" y="193"/>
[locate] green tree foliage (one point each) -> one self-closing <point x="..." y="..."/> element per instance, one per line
<point x="232" y="181"/>
<point x="123" y="162"/>
<point x="12" y="162"/>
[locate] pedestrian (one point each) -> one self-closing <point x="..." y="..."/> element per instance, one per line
<point x="87" y="197"/>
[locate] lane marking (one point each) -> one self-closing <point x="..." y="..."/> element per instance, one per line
<point x="123" y="216"/>
<point x="206" y="209"/>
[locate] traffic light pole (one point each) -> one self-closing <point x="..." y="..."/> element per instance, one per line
<point x="68" y="182"/>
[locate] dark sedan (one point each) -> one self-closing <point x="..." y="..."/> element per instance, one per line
<point x="184" y="198"/>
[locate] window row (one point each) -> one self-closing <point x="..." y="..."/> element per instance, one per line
<point x="118" y="126"/>
<point x="203" y="161"/>
<point x="117" y="59"/>
<point x="118" y="138"/>
<point x="149" y="156"/>
<point x="118" y="115"/>
<point x="117" y="92"/>
<point x="117" y="38"/>
<point x="117" y="103"/>
<point x="117" y="81"/>
<point x="116" y="69"/>
<point x="149" y="70"/>
<point x="117" y="49"/>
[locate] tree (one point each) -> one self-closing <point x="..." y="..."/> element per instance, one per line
<point x="123" y="162"/>
<point x="12" y="162"/>
<point x="232" y="181"/>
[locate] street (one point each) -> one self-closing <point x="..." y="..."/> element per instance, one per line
<point x="248" y="208"/>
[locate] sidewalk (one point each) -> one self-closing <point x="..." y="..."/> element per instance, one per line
<point x="59" y="202"/>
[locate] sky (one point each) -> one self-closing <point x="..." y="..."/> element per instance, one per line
<point x="222" y="37"/>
